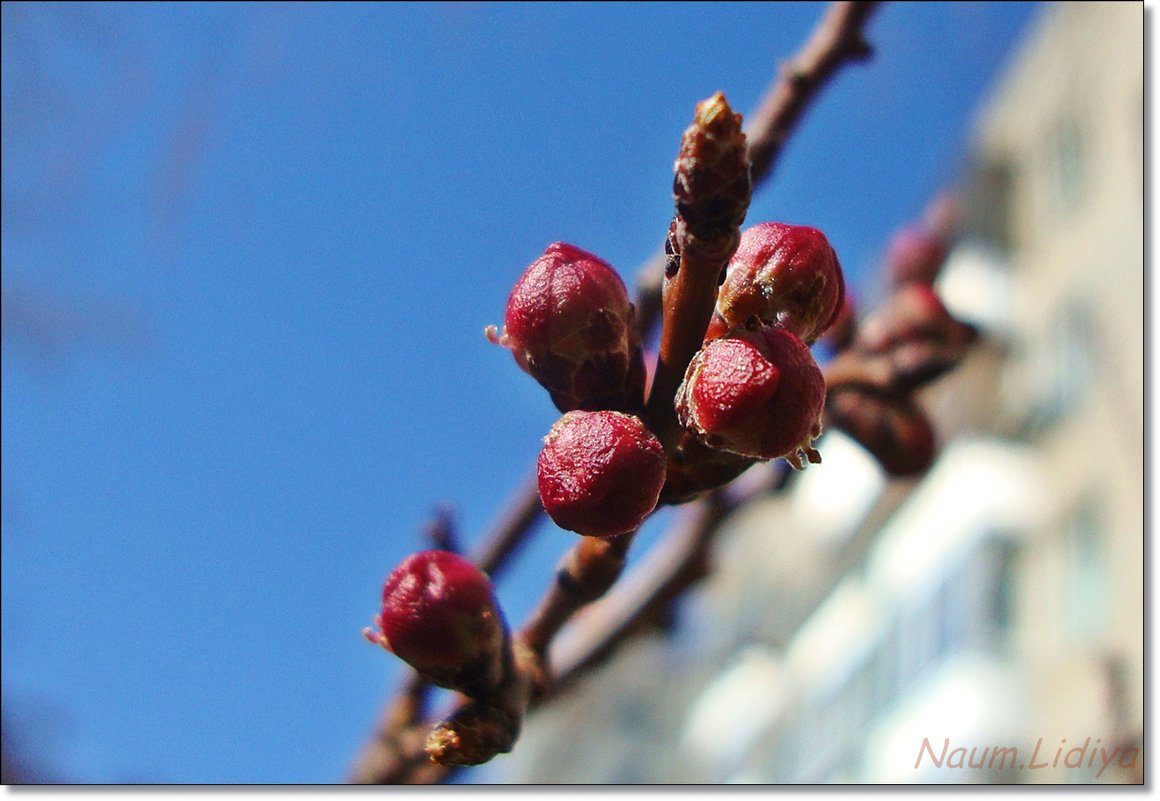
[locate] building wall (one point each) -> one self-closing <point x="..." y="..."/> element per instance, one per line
<point x="1069" y="122"/>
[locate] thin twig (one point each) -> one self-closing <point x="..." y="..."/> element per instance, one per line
<point x="519" y="518"/>
<point x="712" y="191"/>
<point x="836" y="41"/>
<point x="440" y="532"/>
<point x="385" y="759"/>
<point x="670" y="568"/>
<point x="585" y="573"/>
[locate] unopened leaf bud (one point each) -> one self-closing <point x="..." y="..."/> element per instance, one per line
<point x="473" y="735"/>
<point x="711" y="182"/>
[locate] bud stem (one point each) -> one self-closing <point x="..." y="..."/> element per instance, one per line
<point x="583" y="575"/>
<point x="712" y="191"/>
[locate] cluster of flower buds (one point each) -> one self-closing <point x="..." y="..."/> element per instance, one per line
<point x="907" y="343"/>
<point x="735" y="384"/>
<point x="752" y="393"/>
<point x="891" y="427"/>
<point x="569" y="324"/>
<point x="917" y="334"/>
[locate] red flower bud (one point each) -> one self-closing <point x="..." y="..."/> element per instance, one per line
<point x="918" y="334"/>
<point x="757" y="393"/>
<point x="569" y="324"/>
<point x="893" y="428"/>
<point x="783" y="274"/>
<point x="600" y="473"/>
<point x="915" y="254"/>
<point x="440" y="616"/>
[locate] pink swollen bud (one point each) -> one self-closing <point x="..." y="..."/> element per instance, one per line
<point x="915" y="254"/>
<point x="920" y="336"/>
<point x="600" y="473"/>
<point x="758" y="393"/>
<point x="914" y="311"/>
<point x="570" y="325"/>
<point x="440" y="616"/>
<point x="781" y="274"/>
<point x="894" y="429"/>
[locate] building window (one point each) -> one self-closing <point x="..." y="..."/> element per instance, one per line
<point x="1002" y="599"/>
<point x="1087" y="571"/>
<point x="1065" y="151"/>
<point x="988" y="203"/>
<point x="1062" y="368"/>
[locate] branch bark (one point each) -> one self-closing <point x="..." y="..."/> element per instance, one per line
<point x="712" y="190"/>
<point x="836" y="41"/>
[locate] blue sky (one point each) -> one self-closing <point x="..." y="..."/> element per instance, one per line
<point x="249" y="252"/>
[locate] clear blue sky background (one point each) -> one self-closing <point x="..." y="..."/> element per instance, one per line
<point x="248" y="255"/>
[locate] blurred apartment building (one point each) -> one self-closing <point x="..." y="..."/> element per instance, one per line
<point x="981" y="624"/>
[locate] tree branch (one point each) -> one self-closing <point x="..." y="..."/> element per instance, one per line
<point x="583" y="575"/>
<point x="836" y="41"/>
<point x="712" y="191"/>
<point x="389" y="756"/>
<point x="395" y="753"/>
<point x="521" y="515"/>
<point x="671" y="567"/>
